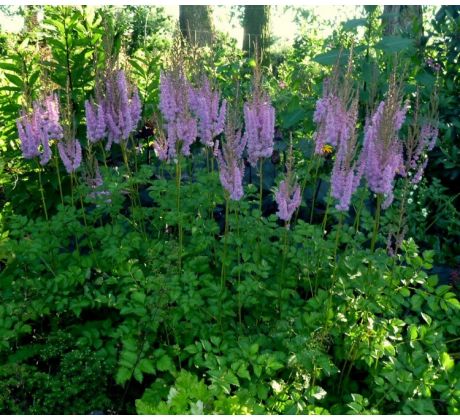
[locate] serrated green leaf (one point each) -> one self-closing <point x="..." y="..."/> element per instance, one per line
<point x="447" y="362"/>
<point x="146" y="366"/>
<point x="165" y="363"/>
<point x="123" y="374"/>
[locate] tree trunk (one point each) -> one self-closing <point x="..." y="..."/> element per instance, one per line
<point x="256" y="24"/>
<point x="404" y="20"/>
<point x="196" y="24"/>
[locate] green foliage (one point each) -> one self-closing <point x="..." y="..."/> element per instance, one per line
<point x="125" y="301"/>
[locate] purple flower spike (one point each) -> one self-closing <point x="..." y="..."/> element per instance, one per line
<point x="231" y="163"/>
<point x="259" y="120"/>
<point x="70" y="153"/>
<point x="288" y="199"/>
<point x="38" y="128"/>
<point x="205" y="104"/>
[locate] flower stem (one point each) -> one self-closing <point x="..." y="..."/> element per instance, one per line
<point x="42" y="192"/>
<point x="223" y="273"/>
<point x="56" y="162"/>
<point x="261" y="167"/>
<point x="283" y="265"/>
<point x="377" y="221"/>
<point x="83" y="213"/>
<point x="179" y="223"/>
<point x="237" y="212"/>
<point x="313" y="199"/>
<point x="326" y="213"/>
<point x="358" y="214"/>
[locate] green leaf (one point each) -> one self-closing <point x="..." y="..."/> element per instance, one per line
<point x="404" y="291"/>
<point x="413" y="333"/>
<point x="15" y="80"/>
<point x="293" y="118"/>
<point x="426" y="317"/>
<point x="243" y="372"/>
<point x="354" y="23"/>
<point x="394" y="44"/>
<point x="138" y="376"/>
<point x="146" y="366"/>
<point x="165" y="363"/>
<point x="331" y="57"/>
<point x="123" y="374"/>
<point x="447" y="362"/>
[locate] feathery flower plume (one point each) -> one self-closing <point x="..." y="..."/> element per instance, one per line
<point x="95" y="182"/>
<point x="382" y="153"/>
<point x="70" y="152"/>
<point x="331" y="114"/>
<point x="231" y="163"/>
<point x="38" y="127"/>
<point x="204" y="101"/>
<point x="96" y="127"/>
<point x="116" y="111"/>
<point x="421" y="139"/>
<point x="288" y="195"/>
<point x="347" y="171"/>
<point x="259" y="121"/>
<point x="180" y="124"/>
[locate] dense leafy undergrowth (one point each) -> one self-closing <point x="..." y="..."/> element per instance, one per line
<point x="164" y="249"/>
<point x="95" y="312"/>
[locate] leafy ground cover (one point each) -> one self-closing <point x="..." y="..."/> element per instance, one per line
<point x="183" y="233"/>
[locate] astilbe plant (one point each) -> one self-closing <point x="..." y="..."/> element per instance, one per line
<point x="231" y="163"/>
<point x="288" y="195"/>
<point x="180" y="124"/>
<point x="38" y="127"/>
<point x="382" y="153"/>
<point x="332" y="116"/>
<point x="71" y="154"/>
<point x="116" y="112"/>
<point x="209" y="110"/>
<point x="259" y="122"/>
<point x="347" y="170"/>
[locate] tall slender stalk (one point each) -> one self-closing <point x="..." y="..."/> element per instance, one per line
<point x="179" y="223"/>
<point x="75" y="182"/>
<point x="283" y="266"/>
<point x="42" y="192"/>
<point x="237" y="212"/>
<point x="58" y="173"/>
<point x="358" y="214"/>
<point x="103" y="154"/>
<point x="223" y="273"/>
<point x="326" y="213"/>
<point x="315" y="180"/>
<point x="261" y="168"/>
<point x="377" y="221"/>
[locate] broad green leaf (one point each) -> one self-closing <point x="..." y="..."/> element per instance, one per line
<point x="332" y="57"/>
<point x="394" y="44"/>
<point x="447" y="362"/>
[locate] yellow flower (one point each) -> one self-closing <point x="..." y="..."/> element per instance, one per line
<point x="327" y="148"/>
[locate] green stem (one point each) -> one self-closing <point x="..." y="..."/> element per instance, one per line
<point x="223" y="272"/>
<point x="42" y="192"/>
<point x="103" y="154"/>
<point x="377" y="221"/>
<point x="315" y="180"/>
<point x="58" y="172"/>
<point x="337" y="235"/>
<point x="283" y="266"/>
<point x="326" y="213"/>
<point x="358" y="214"/>
<point x="237" y="211"/>
<point x="179" y="223"/>
<point x="261" y="167"/>
<point x="72" y="175"/>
